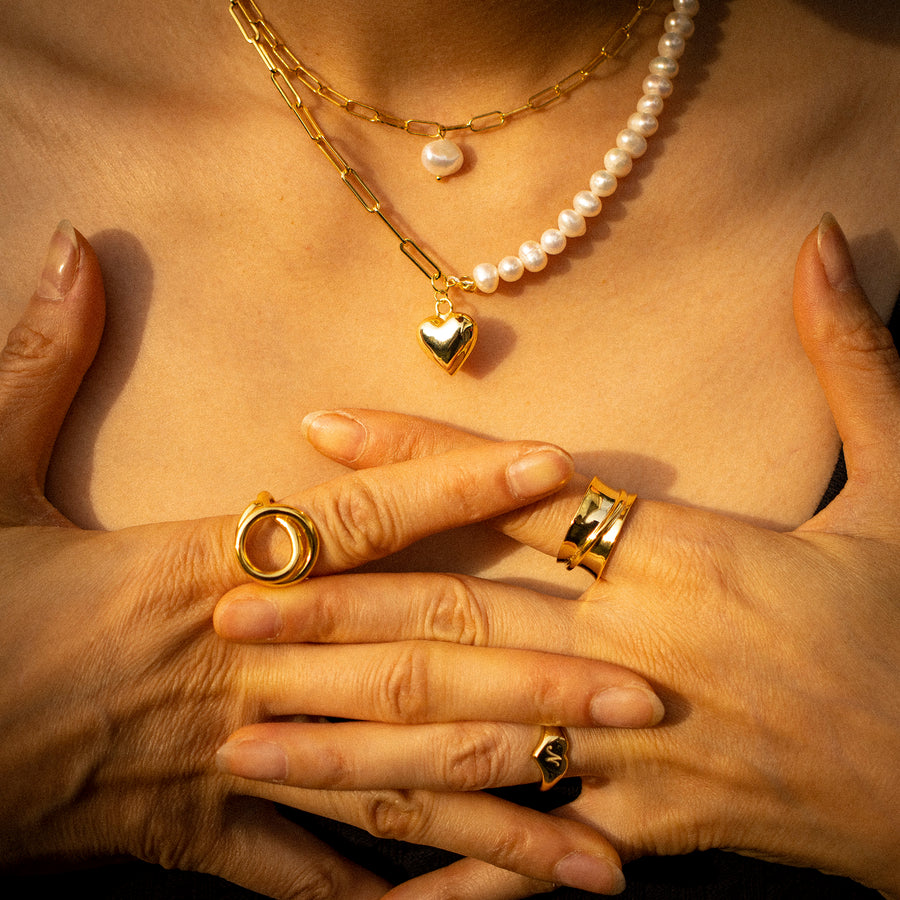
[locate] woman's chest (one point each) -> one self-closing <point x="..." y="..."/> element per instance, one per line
<point x="667" y="379"/>
<point x="247" y="287"/>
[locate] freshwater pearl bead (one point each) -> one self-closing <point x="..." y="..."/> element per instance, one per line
<point x="688" y="7"/>
<point x="618" y="162"/>
<point x="679" y="23"/>
<point x="553" y="241"/>
<point x="533" y="256"/>
<point x="651" y="103"/>
<point x="510" y="268"/>
<point x="486" y="278"/>
<point x="634" y="144"/>
<point x="658" y="84"/>
<point x="664" y="66"/>
<point x="571" y="223"/>
<point x="442" y="157"/>
<point x="603" y="183"/>
<point x="643" y="123"/>
<point x="671" y="45"/>
<point x="587" y="203"/>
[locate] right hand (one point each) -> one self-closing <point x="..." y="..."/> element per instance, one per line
<point x="115" y="692"/>
<point x="779" y="652"/>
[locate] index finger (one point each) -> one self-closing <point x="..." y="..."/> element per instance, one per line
<point x="658" y="538"/>
<point x="367" y="515"/>
<point x="361" y="438"/>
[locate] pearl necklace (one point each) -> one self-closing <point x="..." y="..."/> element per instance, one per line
<point x="448" y="337"/>
<point x="631" y="144"/>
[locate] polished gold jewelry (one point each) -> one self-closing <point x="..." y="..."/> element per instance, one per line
<point x="448" y="337"/>
<point x="595" y="528"/>
<point x="298" y="526"/>
<point x="552" y="755"/>
<point x="443" y="157"/>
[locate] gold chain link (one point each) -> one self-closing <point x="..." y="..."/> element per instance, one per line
<point x="486" y="121"/>
<point x="285" y="69"/>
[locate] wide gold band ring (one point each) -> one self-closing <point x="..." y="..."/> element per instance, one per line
<point x="552" y="755"/>
<point x="299" y="528"/>
<point x="595" y="528"/>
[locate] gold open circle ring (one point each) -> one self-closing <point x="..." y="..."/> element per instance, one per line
<point x="297" y="525"/>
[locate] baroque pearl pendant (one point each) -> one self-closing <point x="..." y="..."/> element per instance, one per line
<point x="442" y="157"/>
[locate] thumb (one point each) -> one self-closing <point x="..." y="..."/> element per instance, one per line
<point x="854" y="357"/>
<point x="41" y="367"/>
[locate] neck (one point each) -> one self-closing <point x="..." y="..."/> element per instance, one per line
<point x="427" y="63"/>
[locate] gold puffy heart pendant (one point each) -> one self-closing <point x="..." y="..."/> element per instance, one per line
<point x="448" y="339"/>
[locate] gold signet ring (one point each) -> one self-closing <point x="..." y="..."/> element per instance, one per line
<point x="299" y="528"/>
<point x="552" y="755"/>
<point x="595" y="528"/>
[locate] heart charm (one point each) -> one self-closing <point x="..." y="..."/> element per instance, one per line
<point x="448" y="339"/>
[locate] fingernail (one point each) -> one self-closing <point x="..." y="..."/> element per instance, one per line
<point x="259" y="760"/>
<point x="250" y="619"/>
<point x="539" y="472"/>
<point x="627" y="707"/>
<point x="834" y="252"/>
<point x="336" y="435"/>
<point x="589" y="873"/>
<point x="61" y="264"/>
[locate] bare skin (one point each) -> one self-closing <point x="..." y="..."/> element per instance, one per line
<point x="224" y="241"/>
<point x="223" y="238"/>
<point x="773" y="670"/>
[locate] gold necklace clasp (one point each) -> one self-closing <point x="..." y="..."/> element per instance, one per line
<point x="463" y="282"/>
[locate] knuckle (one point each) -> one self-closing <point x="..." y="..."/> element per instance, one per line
<point x="474" y="759"/>
<point x="418" y="439"/>
<point x="718" y="570"/>
<point x="338" y="771"/>
<point x="183" y="563"/>
<point x="396" y="815"/>
<point x="699" y="560"/>
<point x="363" y="524"/>
<point x="507" y="847"/>
<point x="315" y="882"/>
<point x="868" y="340"/>
<point x="321" y="614"/>
<point x="548" y="693"/>
<point x="456" y="492"/>
<point x="404" y="690"/>
<point x="457" y="614"/>
<point x="25" y="347"/>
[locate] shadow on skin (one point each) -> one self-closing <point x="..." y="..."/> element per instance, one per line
<point x="128" y="279"/>
<point x="875" y="20"/>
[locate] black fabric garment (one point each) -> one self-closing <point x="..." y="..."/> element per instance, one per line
<point x="710" y="875"/>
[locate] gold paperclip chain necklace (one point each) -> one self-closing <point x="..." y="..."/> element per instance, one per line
<point x="443" y="157"/>
<point x="447" y="332"/>
<point x="486" y="121"/>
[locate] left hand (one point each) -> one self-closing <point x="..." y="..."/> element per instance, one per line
<point x="115" y="692"/>
<point x="776" y="654"/>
